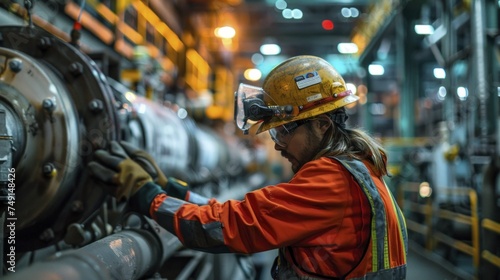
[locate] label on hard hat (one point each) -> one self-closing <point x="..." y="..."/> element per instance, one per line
<point x="307" y="80"/>
<point x="314" y="97"/>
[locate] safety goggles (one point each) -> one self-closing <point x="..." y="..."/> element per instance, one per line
<point x="250" y="108"/>
<point x="282" y="134"/>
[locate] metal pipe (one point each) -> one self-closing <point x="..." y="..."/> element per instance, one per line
<point x="129" y="254"/>
<point x="479" y="62"/>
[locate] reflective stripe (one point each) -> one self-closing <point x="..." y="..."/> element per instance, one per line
<point x="380" y="250"/>
<point x="166" y="211"/>
<point x="401" y="222"/>
<point x="192" y="234"/>
<point x="203" y="237"/>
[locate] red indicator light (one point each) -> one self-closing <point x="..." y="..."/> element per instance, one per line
<point x="327" y="24"/>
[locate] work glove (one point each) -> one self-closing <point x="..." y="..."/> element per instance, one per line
<point x="174" y="187"/>
<point x="117" y="169"/>
<point x="146" y="161"/>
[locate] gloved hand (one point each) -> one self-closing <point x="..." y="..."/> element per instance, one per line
<point x="116" y="168"/>
<point x="146" y="161"/>
<point x="174" y="187"/>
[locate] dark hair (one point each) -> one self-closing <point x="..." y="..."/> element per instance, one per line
<point x="352" y="142"/>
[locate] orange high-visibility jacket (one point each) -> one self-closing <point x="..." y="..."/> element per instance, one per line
<point x="333" y="219"/>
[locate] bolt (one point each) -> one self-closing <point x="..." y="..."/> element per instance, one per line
<point x="76" y="69"/>
<point x="49" y="170"/>
<point x="44" y="43"/>
<point x="96" y="106"/>
<point x="49" y="105"/>
<point x="16" y="65"/>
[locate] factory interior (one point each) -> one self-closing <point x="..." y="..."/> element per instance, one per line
<point x="162" y="75"/>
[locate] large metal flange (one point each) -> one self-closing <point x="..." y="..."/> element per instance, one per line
<point x="59" y="109"/>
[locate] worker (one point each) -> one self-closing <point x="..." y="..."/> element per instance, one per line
<point x="334" y="219"/>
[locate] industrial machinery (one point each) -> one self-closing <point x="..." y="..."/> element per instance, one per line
<point x="56" y="108"/>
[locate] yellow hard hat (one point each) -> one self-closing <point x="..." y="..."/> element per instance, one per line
<point x="308" y="83"/>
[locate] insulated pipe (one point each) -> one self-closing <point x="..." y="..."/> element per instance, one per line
<point x="479" y="64"/>
<point x="129" y="254"/>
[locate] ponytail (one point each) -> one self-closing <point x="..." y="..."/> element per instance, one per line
<point x="354" y="143"/>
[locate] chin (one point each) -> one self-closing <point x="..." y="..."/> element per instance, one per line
<point x="296" y="168"/>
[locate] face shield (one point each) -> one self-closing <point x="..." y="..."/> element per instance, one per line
<point x="250" y="109"/>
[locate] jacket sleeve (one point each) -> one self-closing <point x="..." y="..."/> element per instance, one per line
<point x="268" y="218"/>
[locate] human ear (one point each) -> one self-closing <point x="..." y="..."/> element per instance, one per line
<point x="324" y="124"/>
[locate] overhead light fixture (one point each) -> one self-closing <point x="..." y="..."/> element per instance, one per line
<point x="280" y="4"/>
<point x="349" y="12"/>
<point x="295" y="13"/>
<point x="423" y="26"/>
<point x="270" y="49"/>
<point x="376" y="69"/>
<point x="462" y="93"/>
<point x="424" y="29"/>
<point x="252" y="74"/>
<point x="225" y="32"/>
<point x="352" y="87"/>
<point x="257" y="58"/>
<point x="287" y="13"/>
<point x="346" y="48"/>
<point x="441" y="94"/>
<point x="354" y="12"/>
<point x="439" y="73"/>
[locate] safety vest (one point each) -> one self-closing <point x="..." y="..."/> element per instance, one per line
<point x="378" y="249"/>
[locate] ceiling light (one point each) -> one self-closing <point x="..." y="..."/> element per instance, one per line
<point x="252" y="74"/>
<point x="376" y="69"/>
<point x="297" y="13"/>
<point x="351" y="87"/>
<point x="287" y="13"/>
<point x="347" y="48"/>
<point x="439" y="73"/>
<point x="257" y="58"/>
<point x="270" y="49"/>
<point x="424" y="29"/>
<point x="280" y="4"/>
<point x="441" y="94"/>
<point x="354" y="12"/>
<point x="226" y="32"/>
<point x="462" y="93"/>
<point x="346" y="12"/>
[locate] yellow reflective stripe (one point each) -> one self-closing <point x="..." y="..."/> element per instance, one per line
<point x="380" y="227"/>
<point x="386" y="240"/>
<point x="373" y="222"/>
<point x="401" y="220"/>
<point x="374" y="246"/>
<point x="386" y="250"/>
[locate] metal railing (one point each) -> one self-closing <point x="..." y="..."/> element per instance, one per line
<point x="472" y="220"/>
<point x="486" y="254"/>
<point x="413" y="204"/>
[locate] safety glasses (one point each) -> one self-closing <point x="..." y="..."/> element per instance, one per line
<point x="281" y="135"/>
